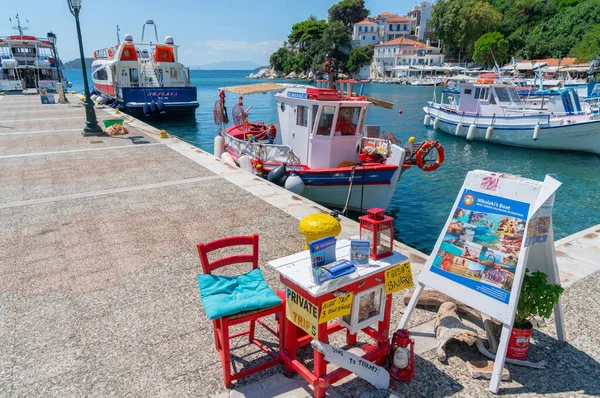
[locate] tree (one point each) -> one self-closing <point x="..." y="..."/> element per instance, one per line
<point x="589" y="46"/>
<point x="348" y="12"/>
<point x="491" y="47"/>
<point x="458" y="23"/>
<point x="359" y="56"/>
<point x="338" y="39"/>
<point x="307" y="31"/>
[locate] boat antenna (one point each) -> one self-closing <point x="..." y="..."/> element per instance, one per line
<point x="18" y="25"/>
<point x="118" y="38"/>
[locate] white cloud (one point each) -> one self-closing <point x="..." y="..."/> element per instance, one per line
<point x="263" y="47"/>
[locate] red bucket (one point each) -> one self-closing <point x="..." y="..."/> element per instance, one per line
<point x="518" y="344"/>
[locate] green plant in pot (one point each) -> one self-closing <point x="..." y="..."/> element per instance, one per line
<point x="537" y="299"/>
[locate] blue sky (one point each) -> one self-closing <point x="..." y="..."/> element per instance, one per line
<point x="207" y="31"/>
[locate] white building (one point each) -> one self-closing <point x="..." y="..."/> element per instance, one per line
<point x="365" y="32"/>
<point x="396" y="27"/>
<point x="421" y="16"/>
<point x="402" y="53"/>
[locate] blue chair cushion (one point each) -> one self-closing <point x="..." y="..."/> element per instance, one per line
<point x="228" y="295"/>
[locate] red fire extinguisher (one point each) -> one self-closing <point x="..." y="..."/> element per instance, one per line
<point x="402" y="355"/>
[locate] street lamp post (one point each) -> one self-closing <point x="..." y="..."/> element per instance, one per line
<point x="91" y="125"/>
<point x="52" y="39"/>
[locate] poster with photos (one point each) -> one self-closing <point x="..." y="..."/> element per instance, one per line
<point x="482" y="244"/>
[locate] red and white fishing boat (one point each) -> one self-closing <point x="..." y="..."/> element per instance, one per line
<point x="322" y="148"/>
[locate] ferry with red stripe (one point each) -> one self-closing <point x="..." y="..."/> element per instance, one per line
<point x="144" y="78"/>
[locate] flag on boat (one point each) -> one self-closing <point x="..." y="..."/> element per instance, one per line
<point x="514" y="64"/>
<point x="497" y="70"/>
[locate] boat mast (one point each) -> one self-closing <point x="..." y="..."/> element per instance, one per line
<point x="118" y="38"/>
<point x="18" y="26"/>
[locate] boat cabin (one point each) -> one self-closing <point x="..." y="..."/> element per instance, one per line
<point x="500" y="99"/>
<point x="132" y="64"/>
<point x="323" y="128"/>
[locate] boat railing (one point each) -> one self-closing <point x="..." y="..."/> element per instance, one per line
<point x="153" y="84"/>
<point x="268" y="153"/>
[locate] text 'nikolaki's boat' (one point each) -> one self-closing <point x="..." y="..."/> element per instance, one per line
<point x="321" y="146"/>
<point x="144" y="78"/>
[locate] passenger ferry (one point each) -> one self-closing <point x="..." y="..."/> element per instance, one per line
<point x="322" y="148"/>
<point x="28" y="62"/>
<point x="144" y="78"/>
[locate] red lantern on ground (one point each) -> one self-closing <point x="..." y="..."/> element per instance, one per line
<point x="378" y="229"/>
<point x="402" y="356"/>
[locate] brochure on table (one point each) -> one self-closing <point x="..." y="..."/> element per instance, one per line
<point x="499" y="226"/>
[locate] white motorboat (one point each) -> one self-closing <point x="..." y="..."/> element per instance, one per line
<point x="322" y="148"/>
<point x="493" y="111"/>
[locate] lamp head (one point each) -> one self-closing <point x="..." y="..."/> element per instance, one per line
<point x="75" y="4"/>
<point x="51" y="38"/>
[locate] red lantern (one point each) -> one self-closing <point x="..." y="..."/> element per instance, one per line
<point x="378" y="229"/>
<point x="402" y="358"/>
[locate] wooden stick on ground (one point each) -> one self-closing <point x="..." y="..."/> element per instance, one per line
<point x="448" y="326"/>
<point x="431" y="297"/>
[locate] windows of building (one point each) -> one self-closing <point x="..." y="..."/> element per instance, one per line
<point x="360" y="28"/>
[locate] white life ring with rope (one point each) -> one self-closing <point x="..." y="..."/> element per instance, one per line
<point x="450" y="84"/>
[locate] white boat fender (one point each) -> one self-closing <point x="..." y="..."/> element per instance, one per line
<point x="245" y="163"/>
<point x="458" y="128"/>
<point x="146" y="109"/>
<point x="278" y="175"/>
<point x="94" y="97"/>
<point x="489" y="132"/>
<point x="536" y="132"/>
<point x="227" y="158"/>
<point x="295" y="184"/>
<point x="471" y="132"/>
<point x="427" y="120"/>
<point x="161" y="107"/>
<point x="219" y="146"/>
<point x="153" y="108"/>
<point x="436" y="123"/>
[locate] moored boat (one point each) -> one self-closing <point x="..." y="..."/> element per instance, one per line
<point x="494" y="111"/>
<point x="144" y="78"/>
<point x="322" y="148"/>
<point x="28" y="62"/>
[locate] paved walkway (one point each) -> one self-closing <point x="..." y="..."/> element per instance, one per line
<point x="98" y="267"/>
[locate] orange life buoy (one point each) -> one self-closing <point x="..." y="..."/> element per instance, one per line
<point x="110" y="53"/>
<point x="424" y="150"/>
<point x="95" y="55"/>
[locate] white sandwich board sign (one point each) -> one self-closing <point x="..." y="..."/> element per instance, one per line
<point x="499" y="226"/>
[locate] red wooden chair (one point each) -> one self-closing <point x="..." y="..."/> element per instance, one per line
<point x="221" y="325"/>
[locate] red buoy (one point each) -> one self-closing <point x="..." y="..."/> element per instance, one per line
<point x="400" y="111"/>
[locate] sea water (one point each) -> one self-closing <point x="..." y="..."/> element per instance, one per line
<point x="422" y="201"/>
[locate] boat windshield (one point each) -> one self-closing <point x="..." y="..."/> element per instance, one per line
<point x="503" y="94"/>
<point x="348" y="120"/>
<point x="326" y="120"/>
<point x="514" y="95"/>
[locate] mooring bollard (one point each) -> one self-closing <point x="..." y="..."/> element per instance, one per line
<point x="317" y="226"/>
<point x="163" y="134"/>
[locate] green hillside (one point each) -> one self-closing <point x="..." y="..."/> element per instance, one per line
<point x="533" y="28"/>
<point x="76" y="63"/>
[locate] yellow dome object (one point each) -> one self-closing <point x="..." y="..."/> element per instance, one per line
<point x="318" y="225"/>
<point x="411" y="140"/>
<point x="163" y="134"/>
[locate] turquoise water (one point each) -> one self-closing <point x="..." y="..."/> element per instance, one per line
<point x="422" y="201"/>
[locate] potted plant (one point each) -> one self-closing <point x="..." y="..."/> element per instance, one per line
<point x="537" y="298"/>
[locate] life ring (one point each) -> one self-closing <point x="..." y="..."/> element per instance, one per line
<point x="95" y="55"/>
<point x="110" y="53"/>
<point x="450" y="84"/>
<point x="424" y="151"/>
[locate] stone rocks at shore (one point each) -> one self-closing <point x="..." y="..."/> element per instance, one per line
<point x="270" y="73"/>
